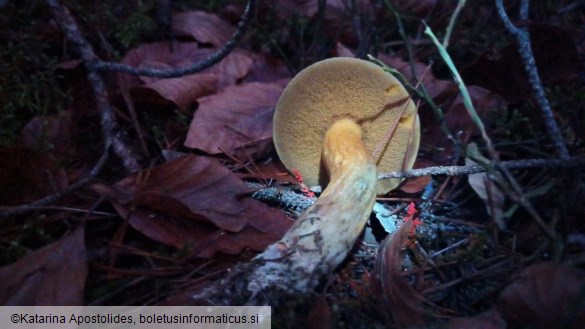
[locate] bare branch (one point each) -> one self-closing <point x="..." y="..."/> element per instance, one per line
<point x="110" y="127"/>
<point x="525" y="50"/>
<point x="25" y="208"/>
<point x="571" y="163"/>
<point x="211" y="60"/>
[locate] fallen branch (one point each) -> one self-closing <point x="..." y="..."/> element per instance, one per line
<point x="570" y="163"/>
<point x="525" y="50"/>
<point x="109" y="125"/>
<point x="297" y="203"/>
<point x="25" y="208"/>
<point x="208" y="62"/>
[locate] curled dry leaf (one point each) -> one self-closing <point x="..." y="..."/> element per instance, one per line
<point x="195" y="201"/>
<point x="236" y="120"/>
<point x="53" y="275"/>
<point x="399" y="302"/>
<point x="203" y="27"/>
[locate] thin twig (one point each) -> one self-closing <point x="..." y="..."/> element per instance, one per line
<point x="297" y="203"/>
<point x="571" y="163"/>
<point x="525" y="50"/>
<point x="463" y="91"/>
<point x="212" y="59"/>
<point x="25" y="208"/>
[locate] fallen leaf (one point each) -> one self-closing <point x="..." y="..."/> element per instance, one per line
<point x="203" y="27"/>
<point x="54" y="275"/>
<point x="184" y="90"/>
<point x="504" y="74"/>
<point x="236" y="120"/>
<point x="190" y="200"/>
<point x="202" y="240"/>
<point x="269" y="170"/>
<point x="417" y="184"/>
<point x="418" y="73"/>
<point x="545" y="295"/>
<point x="486" y="103"/>
<point x="267" y="69"/>
<point x="399" y="303"/>
<point x="485" y="186"/>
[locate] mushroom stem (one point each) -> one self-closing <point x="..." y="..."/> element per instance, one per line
<point x="323" y="235"/>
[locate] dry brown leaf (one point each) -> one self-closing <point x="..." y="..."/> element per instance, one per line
<point x="490" y="70"/>
<point x="203" y="27"/>
<point x="399" y="302"/>
<point x="236" y="120"/>
<point x="545" y="295"/>
<point x="422" y="74"/>
<point x="190" y="201"/>
<point x="184" y="90"/>
<point x="53" y="275"/>
<point x="485" y="187"/>
<point x="487" y="105"/>
<point x="267" y="69"/>
<point x="417" y="184"/>
<point x="203" y="240"/>
<point x="273" y="169"/>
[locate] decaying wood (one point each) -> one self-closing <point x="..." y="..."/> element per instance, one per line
<point x="319" y="240"/>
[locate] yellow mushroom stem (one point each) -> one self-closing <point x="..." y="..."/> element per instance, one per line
<point x="323" y="235"/>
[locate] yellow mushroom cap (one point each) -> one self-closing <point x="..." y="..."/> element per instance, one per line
<point x="338" y="88"/>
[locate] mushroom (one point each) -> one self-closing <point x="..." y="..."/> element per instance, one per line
<point x="345" y="88"/>
<point x="329" y="119"/>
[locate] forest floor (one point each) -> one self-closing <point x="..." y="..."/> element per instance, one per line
<point x="137" y="163"/>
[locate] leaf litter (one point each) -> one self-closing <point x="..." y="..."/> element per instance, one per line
<point x="198" y="203"/>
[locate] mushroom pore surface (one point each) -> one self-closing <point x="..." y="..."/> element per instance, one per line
<point x="338" y="88"/>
